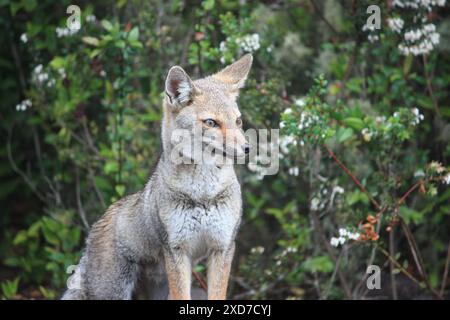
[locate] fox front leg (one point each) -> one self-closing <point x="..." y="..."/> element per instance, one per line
<point x="219" y="265"/>
<point x="178" y="269"/>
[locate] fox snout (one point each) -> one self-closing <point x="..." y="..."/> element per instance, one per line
<point x="235" y="143"/>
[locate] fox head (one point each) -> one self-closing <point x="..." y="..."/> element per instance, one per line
<point x="202" y="116"/>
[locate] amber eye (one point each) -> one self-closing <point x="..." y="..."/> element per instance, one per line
<point x="211" y="123"/>
<point x="239" y="122"/>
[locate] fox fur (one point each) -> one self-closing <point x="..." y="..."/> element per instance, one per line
<point x="184" y="213"/>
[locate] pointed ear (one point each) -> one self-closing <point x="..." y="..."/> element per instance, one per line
<point x="180" y="89"/>
<point x="236" y="73"/>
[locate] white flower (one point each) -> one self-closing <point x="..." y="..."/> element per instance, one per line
<point x="64" y="32"/>
<point x="373" y="38"/>
<point x="24" y="105"/>
<point x="396" y="24"/>
<point x="24" y="38"/>
<point x="62" y="72"/>
<point x="258" y="249"/>
<point x="418" y="116"/>
<point x="288" y="111"/>
<point x="447" y="179"/>
<point x="315" y="204"/>
<point x="419" y="173"/>
<point x="367" y="135"/>
<point x="51" y="83"/>
<point x="282" y="124"/>
<point x="344" y="235"/>
<point x="294" y="171"/>
<point x="354" y="235"/>
<point x="300" y="102"/>
<point x="338" y="189"/>
<point x="249" y="43"/>
<point x="38" y="68"/>
<point x="91" y="18"/>
<point x="334" y="241"/>
<point x="342" y="232"/>
<point x="285" y="142"/>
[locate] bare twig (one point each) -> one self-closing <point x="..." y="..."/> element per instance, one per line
<point x="96" y="189"/>
<point x="79" y="203"/>
<point x="200" y="281"/>
<point x="429" y="84"/>
<point x="391" y="264"/>
<point x="16" y="169"/>
<point x="444" y="277"/>
<point x="400" y="267"/>
<point x="417" y="257"/>
<point x="352" y="176"/>
<point x="322" y="17"/>
<point x="330" y="252"/>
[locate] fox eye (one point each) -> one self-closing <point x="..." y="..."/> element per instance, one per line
<point x="211" y="123"/>
<point x="239" y="122"/>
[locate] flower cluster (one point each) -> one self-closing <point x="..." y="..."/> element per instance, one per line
<point x="345" y="234"/>
<point x="65" y="32"/>
<point x="24" y="105"/>
<point x="420" y="41"/>
<point x="417" y="116"/>
<point x="419" y="36"/>
<point x="294" y="171"/>
<point x="42" y="77"/>
<point x="369" y="229"/>
<point x="372" y="37"/>
<point x="418" y="4"/>
<point x="323" y="198"/>
<point x="396" y="24"/>
<point x="249" y="43"/>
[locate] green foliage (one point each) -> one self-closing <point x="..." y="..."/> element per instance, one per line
<point x="45" y="250"/>
<point x="9" y="288"/>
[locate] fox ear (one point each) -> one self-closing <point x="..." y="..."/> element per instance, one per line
<point x="236" y="73"/>
<point x="180" y="89"/>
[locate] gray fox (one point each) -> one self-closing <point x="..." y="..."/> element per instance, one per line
<point x="186" y="211"/>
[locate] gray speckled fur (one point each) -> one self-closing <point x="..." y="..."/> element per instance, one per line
<point x="184" y="213"/>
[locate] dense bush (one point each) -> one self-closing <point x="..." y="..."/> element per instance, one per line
<point x="364" y="118"/>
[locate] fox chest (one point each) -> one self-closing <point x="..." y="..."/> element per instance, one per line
<point x="199" y="229"/>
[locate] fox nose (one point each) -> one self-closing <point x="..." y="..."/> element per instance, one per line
<point x="246" y="148"/>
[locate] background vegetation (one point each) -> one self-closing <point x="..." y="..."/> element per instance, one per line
<point x="365" y="126"/>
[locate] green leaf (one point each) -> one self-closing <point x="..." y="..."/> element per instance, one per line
<point x="57" y="63"/>
<point x="29" y="5"/>
<point x="355" y="197"/>
<point x="111" y="167"/>
<point x="411" y="215"/>
<point x="208" y="4"/>
<point x="120" y="189"/>
<point x="318" y="264"/>
<point x="344" y="134"/>
<point x="90" y="41"/>
<point x="107" y="25"/>
<point x="20" y="237"/>
<point x="354" y="123"/>
<point x="134" y="34"/>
